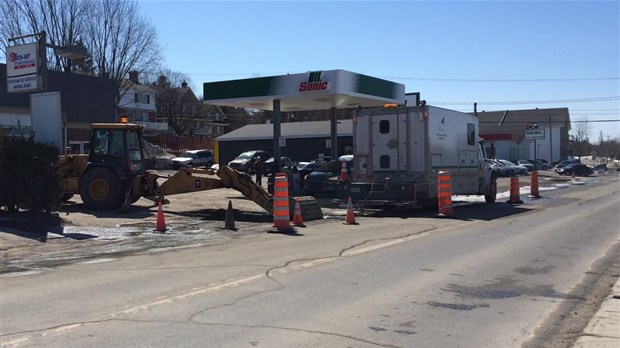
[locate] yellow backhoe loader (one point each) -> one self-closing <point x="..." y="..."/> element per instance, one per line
<point x="113" y="176"/>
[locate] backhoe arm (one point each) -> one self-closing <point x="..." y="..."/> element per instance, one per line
<point x="244" y="184"/>
<point x="183" y="181"/>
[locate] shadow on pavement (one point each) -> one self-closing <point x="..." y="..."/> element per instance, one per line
<point x="469" y="212"/>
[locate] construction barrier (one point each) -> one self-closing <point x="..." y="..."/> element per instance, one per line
<point x="444" y="193"/>
<point x="344" y="174"/>
<point x="161" y="221"/>
<point x="298" y="219"/>
<point x="350" y="218"/>
<point x="515" y="196"/>
<point x="280" y="202"/>
<point x="308" y="205"/>
<point x="534" y="185"/>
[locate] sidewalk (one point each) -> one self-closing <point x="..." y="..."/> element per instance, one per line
<point x="603" y="331"/>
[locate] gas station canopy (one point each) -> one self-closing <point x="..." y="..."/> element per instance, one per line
<point x="316" y="90"/>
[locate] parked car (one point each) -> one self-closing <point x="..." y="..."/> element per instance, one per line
<point x="307" y="166"/>
<point x="567" y="162"/>
<point x="193" y="158"/>
<point x="502" y="170"/>
<point x="268" y="165"/>
<point x="539" y="165"/>
<point x="518" y="169"/>
<point x="578" y="169"/>
<point x="526" y="164"/>
<point x="325" y="178"/>
<point x="601" y="168"/>
<point x="505" y="168"/>
<point x="245" y="160"/>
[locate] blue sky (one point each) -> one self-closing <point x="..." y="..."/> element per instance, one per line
<point x="500" y="54"/>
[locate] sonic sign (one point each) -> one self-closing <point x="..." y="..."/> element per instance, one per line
<point x="315" y="83"/>
<point x="22" y="68"/>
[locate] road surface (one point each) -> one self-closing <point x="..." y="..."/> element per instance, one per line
<point x="492" y="276"/>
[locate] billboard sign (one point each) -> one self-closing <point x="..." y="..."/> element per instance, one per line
<point x="22" y="67"/>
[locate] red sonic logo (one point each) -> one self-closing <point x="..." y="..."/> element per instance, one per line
<point x="315" y="83"/>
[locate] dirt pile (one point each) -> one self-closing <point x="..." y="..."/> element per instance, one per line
<point x="155" y="156"/>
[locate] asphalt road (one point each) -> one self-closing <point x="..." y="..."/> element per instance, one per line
<point x="528" y="275"/>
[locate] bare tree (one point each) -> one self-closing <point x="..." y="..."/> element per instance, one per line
<point x="581" y="130"/>
<point x="117" y="37"/>
<point x="63" y="21"/>
<point x="173" y="79"/>
<point x="120" y="40"/>
<point x="177" y="103"/>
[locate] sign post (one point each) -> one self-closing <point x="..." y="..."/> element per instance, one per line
<point x="535" y="134"/>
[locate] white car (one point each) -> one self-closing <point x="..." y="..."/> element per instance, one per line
<point x="193" y="158"/>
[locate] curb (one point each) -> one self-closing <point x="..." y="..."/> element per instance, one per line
<point x="603" y="331"/>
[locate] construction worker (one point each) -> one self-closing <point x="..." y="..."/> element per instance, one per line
<point x="258" y="170"/>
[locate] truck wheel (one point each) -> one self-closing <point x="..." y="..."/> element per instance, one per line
<point x="490" y="197"/>
<point x="101" y="189"/>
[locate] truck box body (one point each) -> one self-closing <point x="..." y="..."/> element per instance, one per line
<point x="398" y="153"/>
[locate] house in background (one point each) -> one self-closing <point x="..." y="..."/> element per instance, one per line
<point x="137" y="103"/>
<point x="504" y="133"/>
<point x="215" y="120"/>
<point x="186" y="115"/>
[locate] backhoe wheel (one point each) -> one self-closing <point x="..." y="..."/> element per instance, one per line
<point x="101" y="189"/>
<point x="490" y="197"/>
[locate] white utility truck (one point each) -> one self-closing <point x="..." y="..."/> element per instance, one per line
<point x="399" y="151"/>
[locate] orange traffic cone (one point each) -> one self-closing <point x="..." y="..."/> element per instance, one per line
<point x="350" y="219"/>
<point x="281" y="212"/>
<point x="298" y="219"/>
<point x="515" y="197"/>
<point x="534" y="185"/>
<point x="161" y="221"/>
<point x="444" y="194"/>
<point x="229" y="222"/>
<point x="344" y="174"/>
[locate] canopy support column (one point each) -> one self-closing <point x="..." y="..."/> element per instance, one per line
<point x="277" y="120"/>
<point x="334" y="134"/>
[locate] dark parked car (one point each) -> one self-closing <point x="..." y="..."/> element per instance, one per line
<point x="505" y="168"/>
<point x="325" y="178"/>
<point x="245" y="160"/>
<point x="502" y="170"/>
<point x="601" y="168"/>
<point x="539" y="165"/>
<point x="526" y="164"/>
<point x="567" y="162"/>
<point x="578" y="169"/>
<point x="193" y="158"/>
<point x="268" y="165"/>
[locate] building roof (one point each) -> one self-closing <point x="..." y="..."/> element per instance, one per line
<point x="514" y="123"/>
<point x="313" y="129"/>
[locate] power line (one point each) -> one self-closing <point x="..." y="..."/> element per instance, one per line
<point x="553" y="122"/>
<point x="581" y="79"/>
<point x="420" y="78"/>
<point x="519" y="102"/>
